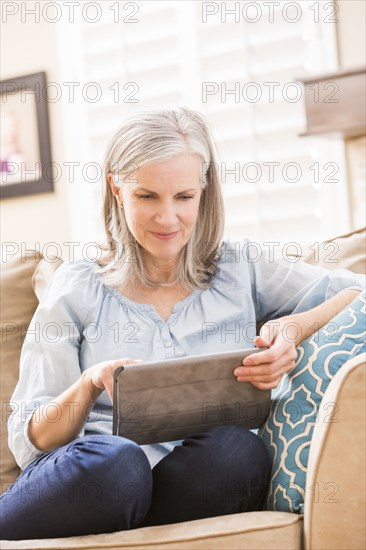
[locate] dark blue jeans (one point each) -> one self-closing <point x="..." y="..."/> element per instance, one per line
<point x="104" y="483"/>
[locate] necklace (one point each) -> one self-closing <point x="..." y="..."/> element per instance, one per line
<point x="160" y="283"/>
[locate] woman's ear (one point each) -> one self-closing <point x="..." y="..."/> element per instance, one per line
<point x="112" y="180"/>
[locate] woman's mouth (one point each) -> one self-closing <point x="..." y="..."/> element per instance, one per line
<point x="164" y="236"/>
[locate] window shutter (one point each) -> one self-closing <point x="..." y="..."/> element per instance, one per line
<point x="277" y="186"/>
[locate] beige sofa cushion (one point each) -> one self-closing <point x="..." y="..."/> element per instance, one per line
<point x="347" y="251"/>
<point x="250" y="530"/>
<point x="18" y="303"/>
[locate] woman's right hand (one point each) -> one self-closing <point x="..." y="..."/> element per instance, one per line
<point x="47" y="432"/>
<point x="99" y="377"/>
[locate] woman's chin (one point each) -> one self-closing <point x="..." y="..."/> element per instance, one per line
<point x="164" y="249"/>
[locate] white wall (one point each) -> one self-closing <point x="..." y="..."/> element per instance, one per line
<point x="351" y="33"/>
<point x="30" y="47"/>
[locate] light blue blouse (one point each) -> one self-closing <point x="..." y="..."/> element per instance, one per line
<point x="80" y="321"/>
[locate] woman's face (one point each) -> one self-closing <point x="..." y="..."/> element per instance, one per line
<point x="161" y="202"/>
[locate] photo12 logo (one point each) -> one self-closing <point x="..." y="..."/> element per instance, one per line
<point x="71" y="92"/>
<point x="70" y="11"/>
<point x="269" y="92"/>
<point x="270" y="12"/>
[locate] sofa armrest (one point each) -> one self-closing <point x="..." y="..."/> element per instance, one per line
<point x="335" y="486"/>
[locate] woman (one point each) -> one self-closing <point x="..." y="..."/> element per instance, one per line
<point x="165" y="286"/>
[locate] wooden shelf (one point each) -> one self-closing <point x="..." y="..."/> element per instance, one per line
<point x="335" y="104"/>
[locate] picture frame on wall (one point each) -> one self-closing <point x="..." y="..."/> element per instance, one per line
<point x="25" y="154"/>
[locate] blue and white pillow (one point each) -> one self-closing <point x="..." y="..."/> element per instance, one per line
<point x="295" y="404"/>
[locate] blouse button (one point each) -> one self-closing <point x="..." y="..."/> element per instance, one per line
<point x="168" y="344"/>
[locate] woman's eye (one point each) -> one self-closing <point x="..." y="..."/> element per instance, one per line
<point x="184" y="197"/>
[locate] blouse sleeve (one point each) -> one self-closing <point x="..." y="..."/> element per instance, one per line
<point x="49" y="360"/>
<point x="283" y="286"/>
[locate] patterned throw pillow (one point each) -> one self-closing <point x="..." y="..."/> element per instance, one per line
<point x="295" y="404"/>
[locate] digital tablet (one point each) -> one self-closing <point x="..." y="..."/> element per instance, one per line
<point x="172" y="399"/>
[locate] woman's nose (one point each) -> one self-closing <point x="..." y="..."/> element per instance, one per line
<point x="166" y="214"/>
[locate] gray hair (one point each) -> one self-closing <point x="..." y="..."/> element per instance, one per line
<point x="152" y="136"/>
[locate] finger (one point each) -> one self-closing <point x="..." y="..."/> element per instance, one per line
<point x="286" y="361"/>
<point x="118" y="363"/>
<point x="261" y="342"/>
<point x="125" y="361"/>
<point x="262" y="367"/>
<point x="260" y="358"/>
<point x="128" y="361"/>
<point x="266" y="385"/>
<point x="270" y="355"/>
<point x="258" y="371"/>
<point x="272" y="381"/>
<point x="269" y="375"/>
<point x="269" y="331"/>
<point x="265" y="374"/>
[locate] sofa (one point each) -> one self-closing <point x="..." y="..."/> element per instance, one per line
<point x="337" y="450"/>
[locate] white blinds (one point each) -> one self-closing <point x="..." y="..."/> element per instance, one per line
<point x="241" y="75"/>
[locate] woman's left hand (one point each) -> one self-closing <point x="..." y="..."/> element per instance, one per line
<point x="265" y="369"/>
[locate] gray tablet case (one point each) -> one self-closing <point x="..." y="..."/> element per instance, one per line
<point x="172" y="399"/>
